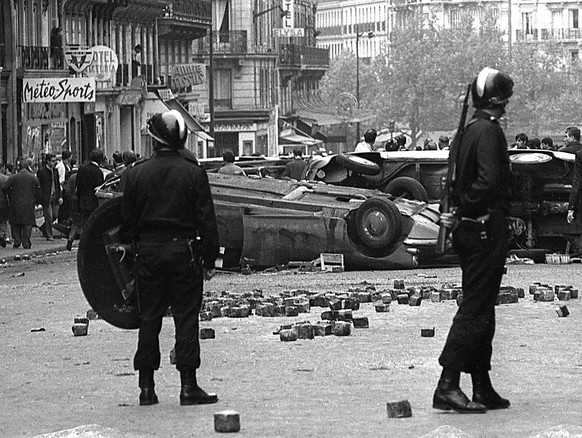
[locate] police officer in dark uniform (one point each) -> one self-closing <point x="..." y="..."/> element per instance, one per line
<point x="168" y="208"/>
<point x="481" y="195"/>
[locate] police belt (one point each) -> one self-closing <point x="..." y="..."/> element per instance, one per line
<point x="478" y="220"/>
<point x="166" y="236"/>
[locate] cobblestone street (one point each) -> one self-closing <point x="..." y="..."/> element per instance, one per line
<point x="328" y="386"/>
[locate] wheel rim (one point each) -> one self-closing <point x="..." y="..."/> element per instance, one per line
<point x="375" y="225"/>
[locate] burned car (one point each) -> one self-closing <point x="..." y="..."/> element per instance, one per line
<point x="265" y="222"/>
<point x="416" y="175"/>
<point x="542" y="182"/>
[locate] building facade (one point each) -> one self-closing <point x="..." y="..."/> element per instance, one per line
<point x="81" y="74"/>
<point x="339" y="21"/>
<point x="265" y="65"/>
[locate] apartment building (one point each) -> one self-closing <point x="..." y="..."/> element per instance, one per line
<point x="80" y="74"/>
<point x="341" y="21"/>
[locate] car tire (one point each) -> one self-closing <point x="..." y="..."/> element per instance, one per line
<point x="358" y="164"/>
<point x="95" y="272"/>
<point x="408" y="188"/>
<point x="378" y="223"/>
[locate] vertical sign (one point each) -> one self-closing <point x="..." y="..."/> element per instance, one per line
<point x="289" y="18"/>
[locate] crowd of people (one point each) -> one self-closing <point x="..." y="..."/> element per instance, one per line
<point x="65" y="192"/>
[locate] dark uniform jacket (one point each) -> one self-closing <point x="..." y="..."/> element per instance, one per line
<point x="48" y="179"/>
<point x="89" y="176"/>
<point x="23" y="191"/>
<point x="168" y="195"/>
<point x="483" y="179"/>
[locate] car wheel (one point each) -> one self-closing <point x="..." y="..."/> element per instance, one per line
<point x="378" y="223"/>
<point x="408" y="188"/>
<point x="358" y="164"/>
<point x="95" y="271"/>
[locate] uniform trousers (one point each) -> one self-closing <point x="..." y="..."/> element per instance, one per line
<point x="482" y="249"/>
<point x="165" y="277"/>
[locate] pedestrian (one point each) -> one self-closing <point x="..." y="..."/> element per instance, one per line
<point x="574" y="203"/>
<point x="368" y="144"/>
<point x="401" y="142"/>
<point x="50" y="194"/>
<point x="294" y="169"/>
<point x="23" y="192"/>
<point x="520" y="141"/>
<point x="89" y="177"/>
<point x="64" y="167"/>
<point x="481" y="194"/>
<point x="4" y="210"/>
<point x="168" y="208"/>
<point x="548" y="144"/>
<point x="571" y="140"/>
<point x="229" y="168"/>
<point x="443" y="142"/>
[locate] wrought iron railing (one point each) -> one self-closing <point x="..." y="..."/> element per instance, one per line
<point x="305" y="56"/>
<point x="232" y="41"/>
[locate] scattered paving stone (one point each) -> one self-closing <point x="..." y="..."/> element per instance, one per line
<point x="381" y="307"/>
<point x="205" y="316"/>
<point x="304" y="331"/>
<point x="342" y="328"/>
<point x="403" y="298"/>
<point x="80" y="329"/>
<point x="562" y="310"/>
<point x="227" y="421"/>
<point x="427" y="332"/>
<point x="322" y="329"/>
<point x="399" y="409"/>
<point x="91" y="314"/>
<point x="344" y="315"/>
<point x="207" y="333"/>
<point x="398" y="284"/>
<point x="173" y="356"/>
<point x="361" y="322"/>
<point x="291" y="311"/>
<point x="330" y="315"/>
<point x="435" y="296"/>
<point x="288" y="335"/>
<point x="415" y="300"/>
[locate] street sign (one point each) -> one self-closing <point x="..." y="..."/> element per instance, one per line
<point x="289" y="32"/>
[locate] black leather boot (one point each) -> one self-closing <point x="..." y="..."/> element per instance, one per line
<point x="448" y="395"/>
<point x="484" y="393"/>
<point x="147" y="396"/>
<point x="191" y="393"/>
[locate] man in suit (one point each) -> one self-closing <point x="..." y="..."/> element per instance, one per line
<point x="88" y="178"/>
<point x="295" y="168"/>
<point x="23" y="192"/>
<point x="50" y="194"/>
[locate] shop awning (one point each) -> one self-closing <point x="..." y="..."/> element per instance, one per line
<point x="316" y="111"/>
<point x="294" y="136"/>
<point x="191" y="123"/>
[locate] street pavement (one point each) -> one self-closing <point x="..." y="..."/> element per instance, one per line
<point x="40" y="246"/>
<point x="56" y="385"/>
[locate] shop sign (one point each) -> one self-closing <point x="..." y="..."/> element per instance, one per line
<point x="236" y="127"/>
<point x="186" y="75"/>
<point x="78" y="58"/>
<point x="103" y="65"/>
<point x="54" y="90"/>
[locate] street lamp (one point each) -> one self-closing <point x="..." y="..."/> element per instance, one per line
<point x="369" y="34"/>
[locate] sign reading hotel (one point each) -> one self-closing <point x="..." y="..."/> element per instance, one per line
<point x="185" y="75"/>
<point x="104" y="64"/>
<point x="288" y="29"/>
<point x="57" y="90"/>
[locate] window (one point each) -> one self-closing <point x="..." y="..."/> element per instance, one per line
<point x="527" y="23"/>
<point x="222" y="88"/>
<point x="574" y="18"/>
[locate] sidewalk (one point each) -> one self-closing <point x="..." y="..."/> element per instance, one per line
<point x="40" y="246"/>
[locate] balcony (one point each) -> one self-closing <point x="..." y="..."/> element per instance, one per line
<point x="571" y="34"/>
<point x="39" y="58"/>
<point x="294" y="55"/>
<point x="232" y="42"/>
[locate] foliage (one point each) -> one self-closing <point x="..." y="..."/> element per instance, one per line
<point x="419" y="81"/>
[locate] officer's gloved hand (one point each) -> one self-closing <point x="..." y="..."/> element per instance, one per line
<point x="570" y="217"/>
<point x="208" y="273"/>
<point x="449" y="220"/>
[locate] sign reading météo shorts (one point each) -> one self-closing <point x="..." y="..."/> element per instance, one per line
<point x="54" y="90"/>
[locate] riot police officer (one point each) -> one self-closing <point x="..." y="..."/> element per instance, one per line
<point x="168" y="208"/>
<point x="481" y="194"/>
